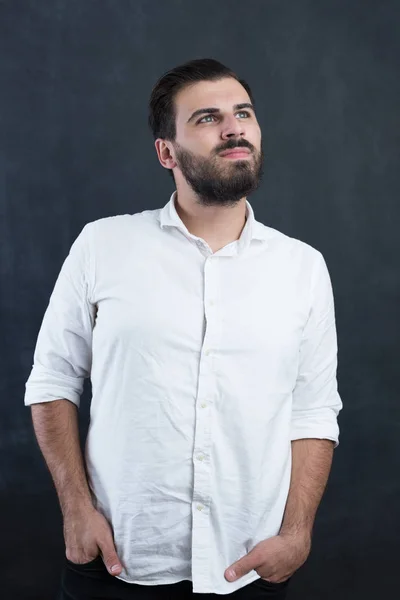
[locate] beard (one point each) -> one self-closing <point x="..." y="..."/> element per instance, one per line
<point x="219" y="181"/>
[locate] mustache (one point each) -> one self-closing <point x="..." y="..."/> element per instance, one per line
<point x="236" y="144"/>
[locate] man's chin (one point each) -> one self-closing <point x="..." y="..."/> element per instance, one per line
<point x="231" y="192"/>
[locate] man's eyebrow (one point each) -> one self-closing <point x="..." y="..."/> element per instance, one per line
<point x="211" y="110"/>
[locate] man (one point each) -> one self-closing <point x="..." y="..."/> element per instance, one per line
<point x="211" y="345"/>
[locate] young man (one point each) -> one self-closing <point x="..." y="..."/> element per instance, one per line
<point x="211" y="345"/>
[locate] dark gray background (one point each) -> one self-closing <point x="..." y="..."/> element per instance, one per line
<point x="75" y="82"/>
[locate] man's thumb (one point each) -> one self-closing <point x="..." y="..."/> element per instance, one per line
<point x="110" y="558"/>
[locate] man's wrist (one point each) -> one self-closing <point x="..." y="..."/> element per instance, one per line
<point x="303" y="533"/>
<point x="77" y="506"/>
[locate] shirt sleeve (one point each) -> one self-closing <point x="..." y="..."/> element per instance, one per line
<point x="63" y="353"/>
<point x="316" y="401"/>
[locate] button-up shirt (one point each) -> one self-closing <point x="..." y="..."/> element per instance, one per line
<point x="204" y="367"/>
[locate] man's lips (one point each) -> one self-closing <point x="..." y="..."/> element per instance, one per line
<point x="236" y="152"/>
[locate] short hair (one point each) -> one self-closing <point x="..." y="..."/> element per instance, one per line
<point x="162" y="110"/>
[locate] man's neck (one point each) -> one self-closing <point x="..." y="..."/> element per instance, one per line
<point x="217" y="225"/>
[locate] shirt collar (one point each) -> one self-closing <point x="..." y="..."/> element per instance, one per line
<point x="253" y="229"/>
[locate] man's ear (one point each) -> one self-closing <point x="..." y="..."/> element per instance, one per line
<point x="165" y="153"/>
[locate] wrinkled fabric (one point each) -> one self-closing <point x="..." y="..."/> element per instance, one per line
<point x="204" y="367"/>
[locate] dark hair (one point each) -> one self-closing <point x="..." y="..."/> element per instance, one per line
<point x="162" y="113"/>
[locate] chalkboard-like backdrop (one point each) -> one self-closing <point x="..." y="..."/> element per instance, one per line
<point x="75" y="82"/>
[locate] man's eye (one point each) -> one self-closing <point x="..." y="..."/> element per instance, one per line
<point x="206" y="117"/>
<point x="242" y="112"/>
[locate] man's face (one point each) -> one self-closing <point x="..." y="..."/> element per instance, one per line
<point x="201" y="138"/>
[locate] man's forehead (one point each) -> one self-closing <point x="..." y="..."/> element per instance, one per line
<point x="223" y="94"/>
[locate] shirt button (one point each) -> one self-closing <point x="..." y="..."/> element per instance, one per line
<point x="200" y="457"/>
<point x="203" y="405"/>
<point x="199" y="507"/>
<point x="208" y="351"/>
<point x="212" y="302"/>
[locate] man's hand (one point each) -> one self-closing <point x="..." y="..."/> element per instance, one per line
<point x="274" y="559"/>
<point x="87" y="534"/>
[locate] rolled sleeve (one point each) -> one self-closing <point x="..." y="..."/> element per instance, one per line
<point x="316" y="401"/>
<point x="63" y="353"/>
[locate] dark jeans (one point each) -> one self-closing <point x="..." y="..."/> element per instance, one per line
<point x="92" y="581"/>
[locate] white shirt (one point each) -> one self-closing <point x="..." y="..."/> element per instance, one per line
<point x="204" y="366"/>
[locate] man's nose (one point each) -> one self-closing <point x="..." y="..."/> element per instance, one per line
<point x="232" y="127"/>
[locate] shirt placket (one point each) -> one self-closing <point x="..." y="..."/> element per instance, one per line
<point x="205" y="401"/>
